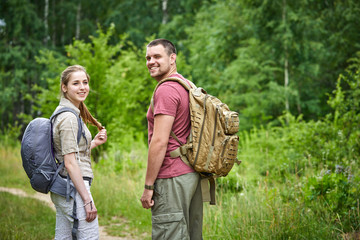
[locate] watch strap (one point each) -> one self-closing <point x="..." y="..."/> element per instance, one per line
<point x="149" y="187"/>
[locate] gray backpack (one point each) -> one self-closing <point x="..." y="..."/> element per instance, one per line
<point x="40" y="165"/>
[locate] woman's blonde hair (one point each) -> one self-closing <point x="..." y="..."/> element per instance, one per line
<point x="84" y="112"/>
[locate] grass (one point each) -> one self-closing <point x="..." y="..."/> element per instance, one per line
<point x="11" y="170"/>
<point x="25" y="218"/>
<point x="262" y="209"/>
<point x="119" y="185"/>
<point x="116" y="190"/>
<point x="261" y="214"/>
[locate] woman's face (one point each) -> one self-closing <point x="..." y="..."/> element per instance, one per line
<point x="77" y="88"/>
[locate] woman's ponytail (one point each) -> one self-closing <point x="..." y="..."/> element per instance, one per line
<point x="87" y="117"/>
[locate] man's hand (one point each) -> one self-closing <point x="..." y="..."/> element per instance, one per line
<point x="146" y="199"/>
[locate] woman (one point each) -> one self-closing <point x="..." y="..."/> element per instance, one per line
<point x="74" y="90"/>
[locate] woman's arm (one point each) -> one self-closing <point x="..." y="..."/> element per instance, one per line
<point x="75" y="174"/>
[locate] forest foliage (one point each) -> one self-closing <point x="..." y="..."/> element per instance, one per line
<point x="260" y="57"/>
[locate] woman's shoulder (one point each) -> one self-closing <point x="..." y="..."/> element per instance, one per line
<point x="66" y="118"/>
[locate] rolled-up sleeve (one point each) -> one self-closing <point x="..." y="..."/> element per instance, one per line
<point x="68" y="128"/>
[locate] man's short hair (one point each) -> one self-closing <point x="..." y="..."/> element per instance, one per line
<point x="169" y="46"/>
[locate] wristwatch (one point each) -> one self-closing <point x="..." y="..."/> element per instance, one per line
<point x="149" y="187"/>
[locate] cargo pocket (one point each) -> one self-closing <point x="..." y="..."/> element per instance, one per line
<point x="228" y="155"/>
<point x="231" y="122"/>
<point x="169" y="226"/>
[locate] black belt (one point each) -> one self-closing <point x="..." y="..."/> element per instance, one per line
<point x="87" y="179"/>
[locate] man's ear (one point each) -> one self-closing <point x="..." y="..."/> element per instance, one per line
<point x="173" y="58"/>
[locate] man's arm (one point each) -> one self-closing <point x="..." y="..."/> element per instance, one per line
<point x="157" y="150"/>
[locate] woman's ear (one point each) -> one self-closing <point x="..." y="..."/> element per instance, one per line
<point x="63" y="88"/>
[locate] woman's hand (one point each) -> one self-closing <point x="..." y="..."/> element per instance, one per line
<point x="91" y="211"/>
<point x="99" y="139"/>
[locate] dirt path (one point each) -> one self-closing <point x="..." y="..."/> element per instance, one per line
<point x="45" y="198"/>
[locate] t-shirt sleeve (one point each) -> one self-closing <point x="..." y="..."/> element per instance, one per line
<point x="166" y="100"/>
<point x="68" y="128"/>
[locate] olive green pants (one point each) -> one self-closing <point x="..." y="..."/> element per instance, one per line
<point x="178" y="208"/>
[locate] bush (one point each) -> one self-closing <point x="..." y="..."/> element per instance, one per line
<point x="339" y="191"/>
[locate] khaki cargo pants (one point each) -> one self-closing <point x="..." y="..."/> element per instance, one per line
<point x="178" y="209"/>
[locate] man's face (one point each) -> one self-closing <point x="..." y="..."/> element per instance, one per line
<point x="158" y="62"/>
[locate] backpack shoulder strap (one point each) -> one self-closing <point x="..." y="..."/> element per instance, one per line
<point x="66" y="109"/>
<point x="184" y="83"/>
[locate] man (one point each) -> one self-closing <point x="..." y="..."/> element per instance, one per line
<point x="172" y="188"/>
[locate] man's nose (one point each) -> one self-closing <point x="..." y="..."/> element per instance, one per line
<point x="151" y="60"/>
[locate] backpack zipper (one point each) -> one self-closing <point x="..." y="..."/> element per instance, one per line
<point x="224" y="147"/>
<point x="214" y="135"/>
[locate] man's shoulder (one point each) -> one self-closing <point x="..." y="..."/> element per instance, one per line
<point x="172" y="87"/>
<point x="175" y="83"/>
<point x="177" y="75"/>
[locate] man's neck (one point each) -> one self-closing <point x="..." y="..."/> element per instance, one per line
<point x="174" y="71"/>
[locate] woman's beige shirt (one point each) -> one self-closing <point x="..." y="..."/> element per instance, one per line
<point x="65" y="131"/>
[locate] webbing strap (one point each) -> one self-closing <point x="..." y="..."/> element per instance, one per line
<point x="76" y="222"/>
<point x="177" y="153"/>
<point x="208" y="193"/>
<point x="175" y="137"/>
<point x="62" y="165"/>
<point x="181" y="152"/>
<point x="208" y="159"/>
<point x="212" y="191"/>
<point x="205" y="190"/>
<point x="68" y="188"/>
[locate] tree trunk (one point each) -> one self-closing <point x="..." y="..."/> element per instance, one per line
<point x="54" y="23"/>
<point x="62" y="38"/>
<point x="286" y="63"/>
<point x="165" y="12"/>
<point x="46" y="23"/>
<point x="77" y="34"/>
